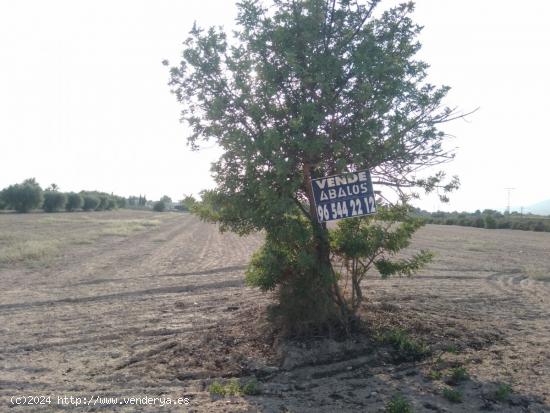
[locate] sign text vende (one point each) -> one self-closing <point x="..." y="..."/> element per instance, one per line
<point x="343" y="196"/>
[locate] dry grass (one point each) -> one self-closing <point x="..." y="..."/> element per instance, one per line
<point x="28" y="250"/>
<point x="125" y="228"/>
<point x="537" y="273"/>
<point x="34" y="239"/>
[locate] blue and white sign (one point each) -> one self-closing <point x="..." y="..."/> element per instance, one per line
<point x="343" y="196"/>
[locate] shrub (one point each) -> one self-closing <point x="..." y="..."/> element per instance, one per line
<point x="503" y="392"/>
<point x="503" y="224"/>
<point x="450" y="221"/>
<point x="398" y="404"/>
<point x="23" y="197"/>
<point x="74" y="201"/>
<point x="490" y="222"/>
<point x="233" y="388"/>
<point x="454" y="396"/>
<point x="54" y="201"/>
<point x="111" y="203"/>
<point x="539" y="226"/>
<point x="159" y="206"/>
<point x="91" y="202"/>
<point x="458" y="374"/>
<point x="120" y="202"/>
<point x="103" y="203"/>
<point x="478" y="222"/>
<point x="407" y="349"/>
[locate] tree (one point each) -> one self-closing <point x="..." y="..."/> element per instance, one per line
<point x="74" y="202"/>
<point x="166" y="199"/>
<point x="91" y="202"/>
<point x="24" y="196"/>
<point x="159" y="206"/>
<point x="310" y="88"/>
<point x="54" y="201"/>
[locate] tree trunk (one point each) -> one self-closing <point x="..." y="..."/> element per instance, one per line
<point x="322" y="246"/>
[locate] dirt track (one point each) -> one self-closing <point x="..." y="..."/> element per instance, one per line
<point x="164" y="311"/>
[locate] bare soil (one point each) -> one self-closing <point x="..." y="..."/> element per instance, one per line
<point x="163" y="311"/>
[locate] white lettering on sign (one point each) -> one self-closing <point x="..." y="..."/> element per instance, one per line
<point x="341" y="180"/>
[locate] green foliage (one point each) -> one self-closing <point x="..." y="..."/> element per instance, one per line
<point x="233" y="388"/>
<point x="91" y="202"/>
<point x="54" y="201"/>
<point x="159" y="206"/>
<point x="489" y="219"/>
<point x="406" y="348"/>
<point x="305" y="90"/>
<point x="103" y="202"/>
<point x="24" y="196"/>
<point x="458" y="374"/>
<point x="361" y="243"/>
<point x="398" y="404"/>
<point x="120" y="201"/>
<point x="435" y="375"/>
<point x="454" y="396"/>
<point x="503" y="392"/>
<point x="74" y="202"/>
<point x="490" y="222"/>
<point x="452" y="348"/>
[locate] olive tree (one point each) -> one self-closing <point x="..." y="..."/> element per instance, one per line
<point x="304" y="89"/>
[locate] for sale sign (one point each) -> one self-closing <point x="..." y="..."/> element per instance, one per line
<point x="343" y="196"/>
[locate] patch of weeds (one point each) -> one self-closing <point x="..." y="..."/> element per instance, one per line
<point x="454" y="396"/>
<point x="251" y="388"/>
<point x="435" y="375"/>
<point x="537" y="273"/>
<point x="458" y="374"/>
<point x="28" y="251"/>
<point x="398" y="404"/>
<point x="503" y="392"/>
<point x="233" y="388"/>
<point x="407" y="349"/>
<point x="451" y="348"/>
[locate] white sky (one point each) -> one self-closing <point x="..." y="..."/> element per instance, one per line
<point x="84" y="100"/>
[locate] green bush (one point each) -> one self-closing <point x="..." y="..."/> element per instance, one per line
<point x="91" y="202"/>
<point x="24" y="196"/>
<point x="503" y="392"/>
<point x="111" y="204"/>
<point x="120" y="202"/>
<point x="539" y="226"/>
<point x="159" y="206"/>
<point x="74" y="201"/>
<point x="233" y="388"/>
<point x="478" y="222"/>
<point x="490" y="222"/>
<point x="504" y="224"/>
<point x="103" y="203"/>
<point x="398" y="404"/>
<point x="454" y="396"/>
<point x="406" y="348"/>
<point x="54" y="201"/>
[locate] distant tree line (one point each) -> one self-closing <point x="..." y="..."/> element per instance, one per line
<point x="28" y="195"/>
<point x="489" y="219"/>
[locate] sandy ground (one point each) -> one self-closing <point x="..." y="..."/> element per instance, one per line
<point x="162" y="312"/>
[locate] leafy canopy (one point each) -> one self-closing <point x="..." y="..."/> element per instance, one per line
<point x="310" y="86"/>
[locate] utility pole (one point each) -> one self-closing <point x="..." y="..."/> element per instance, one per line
<point x="508" y="191"/>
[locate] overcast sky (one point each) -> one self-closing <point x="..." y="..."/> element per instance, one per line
<point x="84" y="100"/>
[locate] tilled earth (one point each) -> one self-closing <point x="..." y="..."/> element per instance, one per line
<point x="164" y="312"/>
